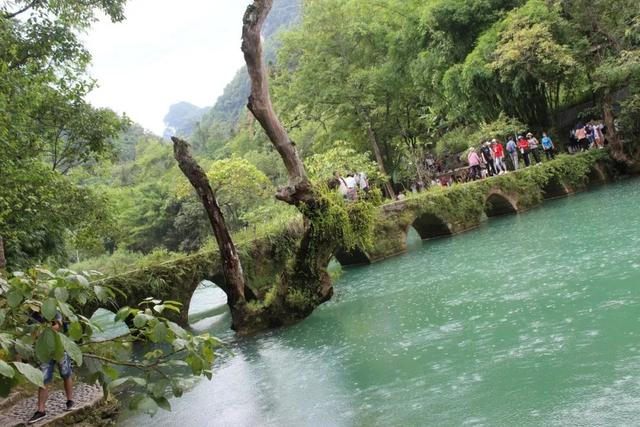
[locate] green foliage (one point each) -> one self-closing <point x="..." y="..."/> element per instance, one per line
<point x="501" y="129"/>
<point x="349" y="224"/>
<point x="343" y="159"/>
<point x="40" y="209"/>
<point x="238" y="186"/>
<point x="46" y="127"/>
<point x="37" y="293"/>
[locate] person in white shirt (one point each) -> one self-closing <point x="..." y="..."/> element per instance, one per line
<point x="352" y="193"/>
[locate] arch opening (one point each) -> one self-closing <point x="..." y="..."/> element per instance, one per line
<point x="208" y="303"/>
<point x="353" y="256"/>
<point x="497" y="205"/>
<point x="596" y="176"/>
<point x="430" y="226"/>
<point x="555" y="188"/>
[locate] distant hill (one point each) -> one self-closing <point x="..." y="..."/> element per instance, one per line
<point x="183" y="117"/>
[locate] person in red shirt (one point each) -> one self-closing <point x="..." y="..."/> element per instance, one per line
<point x="523" y="147"/>
<point x="498" y="157"/>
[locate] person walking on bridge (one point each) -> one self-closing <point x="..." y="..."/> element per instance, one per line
<point x="487" y="156"/>
<point x="498" y="157"/>
<point x="547" y="146"/>
<point x="512" y="149"/>
<point x="534" y="147"/>
<point x="523" y="146"/>
<point x="474" y="164"/>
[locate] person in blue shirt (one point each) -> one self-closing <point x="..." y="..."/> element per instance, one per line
<point x="547" y="146"/>
<point x="512" y="149"/>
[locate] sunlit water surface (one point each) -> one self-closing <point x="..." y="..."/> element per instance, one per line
<point x="529" y="320"/>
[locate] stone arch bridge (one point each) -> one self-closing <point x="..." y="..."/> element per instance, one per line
<point x="435" y="213"/>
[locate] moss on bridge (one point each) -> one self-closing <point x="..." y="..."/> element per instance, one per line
<point x="434" y="213"/>
<point x="443" y="211"/>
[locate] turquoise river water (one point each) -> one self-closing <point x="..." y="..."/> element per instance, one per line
<point x="530" y="319"/>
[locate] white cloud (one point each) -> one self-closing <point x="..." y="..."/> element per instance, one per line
<point x="165" y="52"/>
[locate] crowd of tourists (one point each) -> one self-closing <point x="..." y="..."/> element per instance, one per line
<point x="489" y="159"/>
<point x="586" y="136"/>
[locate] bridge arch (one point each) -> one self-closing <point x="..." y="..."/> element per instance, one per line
<point x="355" y="256"/>
<point x="555" y="187"/>
<point x="596" y="175"/>
<point x="208" y="301"/>
<point x="429" y="226"/>
<point x="498" y="203"/>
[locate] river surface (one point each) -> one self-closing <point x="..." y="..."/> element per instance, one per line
<point x="531" y="319"/>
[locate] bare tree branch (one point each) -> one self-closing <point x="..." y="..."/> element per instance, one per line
<point x="260" y="105"/>
<point x="231" y="265"/>
<point x="9" y="15"/>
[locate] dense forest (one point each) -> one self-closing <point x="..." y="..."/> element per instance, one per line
<point x="379" y="87"/>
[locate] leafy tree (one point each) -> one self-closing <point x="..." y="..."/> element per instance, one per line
<point x="238" y="186"/>
<point x="42" y="82"/>
<point x="101" y="343"/>
<point x="39" y="207"/>
<point x="342" y="159"/>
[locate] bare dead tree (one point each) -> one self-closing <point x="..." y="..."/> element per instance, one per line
<point x="231" y="265"/>
<point x="299" y="188"/>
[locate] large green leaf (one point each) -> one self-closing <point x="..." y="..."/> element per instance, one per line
<point x="162" y="402"/>
<point x="159" y="332"/>
<point x="61" y="294"/>
<point x="140" y="320"/>
<point x="32" y="374"/>
<point x="46" y="346"/>
<point x="146" y="405"/>
<point x="6" y="370"/>
<point x="101" y="293"/>
<point x="72" y="349"/>
<point x="14" y="298"/>
<point x="109" y="327"/>
<point x="75" y="331"/>
<point x="49" y="309"/>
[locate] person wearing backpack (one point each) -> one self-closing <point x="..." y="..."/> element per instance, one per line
<point x="512" y="149"/>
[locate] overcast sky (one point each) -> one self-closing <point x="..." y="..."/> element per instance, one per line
<point x="165" y="52"/>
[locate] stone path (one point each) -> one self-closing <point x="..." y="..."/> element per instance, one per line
<point x="84" y="395"/>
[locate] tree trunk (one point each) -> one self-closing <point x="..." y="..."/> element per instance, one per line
<point x="376" y="151"/>
<point x="231" y="266"/>
<point x="299" y="188"/>
<point x="3" y="261"/>
<point x="617" y="149"/>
